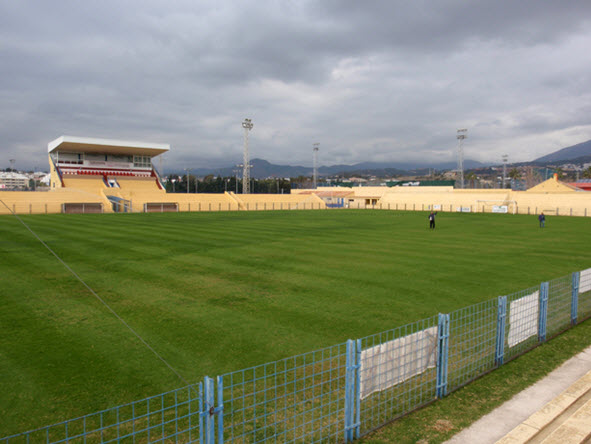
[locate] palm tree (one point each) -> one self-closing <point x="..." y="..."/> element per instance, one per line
<point x="514" y="174"/>
<point x="471" y="177"/>
<point x="587" y="173"/>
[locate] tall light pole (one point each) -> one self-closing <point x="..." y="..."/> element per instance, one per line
<point x="461" y="135"/>
<point x="315" y="151"/>
<point x="247" y="125"/>
<point x="505" y="158"/>
<point x="188" y="170"/>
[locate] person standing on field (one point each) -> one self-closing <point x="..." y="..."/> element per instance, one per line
<point x="542" y="219"/>
<point x="432" y="220"/>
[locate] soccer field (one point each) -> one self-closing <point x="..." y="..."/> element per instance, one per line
<point x="215" y="292"/>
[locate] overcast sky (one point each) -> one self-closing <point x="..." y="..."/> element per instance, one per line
<point x="368" y="80"/>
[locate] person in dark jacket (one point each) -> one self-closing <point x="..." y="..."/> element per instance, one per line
<point x="432" y="220"/>
<point x="542" y="219"/>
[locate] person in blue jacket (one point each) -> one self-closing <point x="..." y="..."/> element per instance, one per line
<point x="542" y="219"/>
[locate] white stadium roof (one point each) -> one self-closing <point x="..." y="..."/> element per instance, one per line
<point x="107" y="146"/>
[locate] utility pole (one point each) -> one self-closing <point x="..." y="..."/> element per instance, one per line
<point x="188" y="171"/>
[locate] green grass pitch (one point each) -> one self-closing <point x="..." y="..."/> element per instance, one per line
<point x="217" y="292"/>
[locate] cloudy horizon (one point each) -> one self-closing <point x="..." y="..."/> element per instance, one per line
<point x="369" y="81"/>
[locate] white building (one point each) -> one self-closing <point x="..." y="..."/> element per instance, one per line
<point x="13" y="180"/>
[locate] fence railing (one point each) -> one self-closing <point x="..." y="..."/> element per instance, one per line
<point x="340" y="393"/>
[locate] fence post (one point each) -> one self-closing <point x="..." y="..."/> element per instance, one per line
<point x="574" y="305"/>
<point x="350" y="390"/>
<point x="543" y="311"/>
<point x="442" y="354"/>
<point x="207" y="411"/>
<point x="501" y="319"/>
<point x="358" y="391"/>
<point x="220" y="410"/>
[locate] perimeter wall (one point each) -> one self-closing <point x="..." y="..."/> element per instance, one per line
<point x="552" y="197"/>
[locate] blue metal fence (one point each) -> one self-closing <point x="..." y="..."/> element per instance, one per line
<point x="342" y="392"/>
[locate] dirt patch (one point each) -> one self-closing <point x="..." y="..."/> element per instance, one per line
<point x="443" y="425"/>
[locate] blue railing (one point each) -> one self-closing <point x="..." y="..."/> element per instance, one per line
<point x="343" y="392"/>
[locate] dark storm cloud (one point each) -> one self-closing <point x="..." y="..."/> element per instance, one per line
<point x="368" y="80"/>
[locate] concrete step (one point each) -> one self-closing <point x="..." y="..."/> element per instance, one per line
<point x="575" y="430"/>
<point x="565" y="420"/>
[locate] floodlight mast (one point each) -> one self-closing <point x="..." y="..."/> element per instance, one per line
<point x="247" y="125"/>
<point x="461" y="135"/>
<point x="505" y="157"/>
<point x="315" y="151"/>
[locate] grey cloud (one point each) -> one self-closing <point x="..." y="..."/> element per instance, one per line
<point x="368" y="80"/>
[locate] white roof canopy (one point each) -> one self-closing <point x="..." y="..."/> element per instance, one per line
<point x="105" y="146"/>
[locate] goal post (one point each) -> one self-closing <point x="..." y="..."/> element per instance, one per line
<point x="497" y="206"/>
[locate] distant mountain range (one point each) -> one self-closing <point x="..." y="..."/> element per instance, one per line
<point x="262" y="169"/>
<point x="580" y="153"/>
<point x="569" y="153"/>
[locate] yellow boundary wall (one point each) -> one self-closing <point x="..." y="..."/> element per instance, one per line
<point x="89" y="191"/>
<point x="551" y="197"/>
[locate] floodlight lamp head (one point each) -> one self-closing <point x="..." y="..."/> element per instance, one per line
<point x="461" y="133"/>
<point x="247" y="124"/>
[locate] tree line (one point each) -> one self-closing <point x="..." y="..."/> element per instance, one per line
<point x="218" y="184"/>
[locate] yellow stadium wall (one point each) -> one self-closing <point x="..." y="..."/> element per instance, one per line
<point x="44" y="202"/>
<point x="400" y="198"/>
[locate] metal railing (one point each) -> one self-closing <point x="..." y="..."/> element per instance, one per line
<point x="343" y="392"/>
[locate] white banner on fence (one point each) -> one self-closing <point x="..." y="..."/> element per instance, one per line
<point x="523" y="318"/>
<point x="585" y="280"/>
<point x="463" y="210"/>
<point x="392" y="362"/>
<point x="500" y="209"/>
<point x="437" y="207"/>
